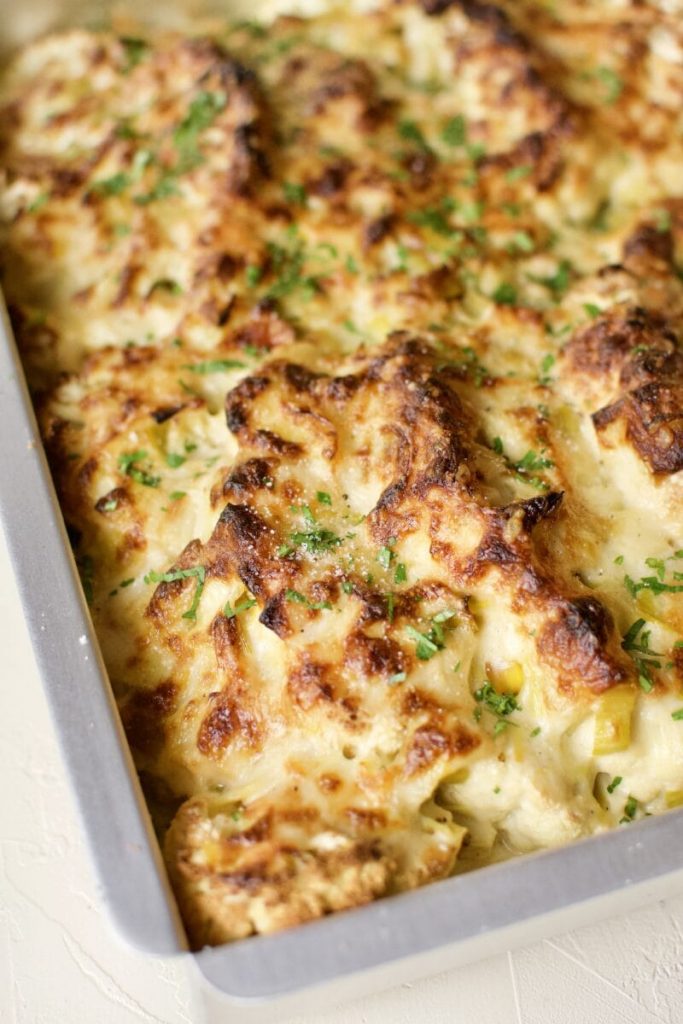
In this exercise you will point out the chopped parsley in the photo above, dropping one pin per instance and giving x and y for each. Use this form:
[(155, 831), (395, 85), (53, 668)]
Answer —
[(201, 114), (253, 275), (128, 465), (298, 598), (198, 571), (616, 781), (385, 556), (38, 202), (525, 469), (592, 310), (556, 283), (294, 193), (165, 187), (411, 132), (637, 642), (505, 294), (134, 50), (435, 218), (455, 131), (677, 715), (401, 573), (316, 541), (532, 461), (305, 511), (174, 460), (177, 495), (546, 366), (473, 366), (657, 584), (112, 186), (398, 677), (428, 643), (425, 646), (662, 220), (323, 497), (612, 82), (499, 704), (214, 366), (522, 242), (241, 606), (519, 172), (630, 810), (288, 268)]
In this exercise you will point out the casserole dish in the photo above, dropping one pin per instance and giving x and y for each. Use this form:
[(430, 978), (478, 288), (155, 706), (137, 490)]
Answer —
[(463, 917)]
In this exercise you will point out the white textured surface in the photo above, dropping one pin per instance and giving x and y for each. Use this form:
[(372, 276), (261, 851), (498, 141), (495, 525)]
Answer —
[(60, 963)]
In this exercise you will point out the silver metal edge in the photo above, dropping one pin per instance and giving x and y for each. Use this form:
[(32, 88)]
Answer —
[(112, 808), (478, 914)]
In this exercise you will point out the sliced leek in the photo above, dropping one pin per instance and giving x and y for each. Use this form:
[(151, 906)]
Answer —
[(613, 720)]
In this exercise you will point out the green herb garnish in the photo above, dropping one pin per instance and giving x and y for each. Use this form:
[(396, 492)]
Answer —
[(200, 116), (425, 646), (198, 571), (505, 294), (294, 193), (630, 809), (134, 50), (519, 172), (637, 642), (240, 606), (612, 82), (455, 131), (128, 465), (214, 366), (411, 132), (315, 541)]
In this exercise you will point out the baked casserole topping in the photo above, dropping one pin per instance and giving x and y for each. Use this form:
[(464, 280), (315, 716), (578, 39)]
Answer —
[(356, 345)]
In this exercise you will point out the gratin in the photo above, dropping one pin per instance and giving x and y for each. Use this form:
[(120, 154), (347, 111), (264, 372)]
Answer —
[(355, 341)]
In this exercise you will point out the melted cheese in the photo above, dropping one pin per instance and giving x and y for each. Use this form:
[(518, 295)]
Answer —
[(356, 346)]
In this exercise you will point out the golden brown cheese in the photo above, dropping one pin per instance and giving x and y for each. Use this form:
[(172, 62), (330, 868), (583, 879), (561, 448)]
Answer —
[(356, 342)]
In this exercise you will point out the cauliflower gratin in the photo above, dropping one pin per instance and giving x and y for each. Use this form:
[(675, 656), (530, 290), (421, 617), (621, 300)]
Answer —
[(356, 346)]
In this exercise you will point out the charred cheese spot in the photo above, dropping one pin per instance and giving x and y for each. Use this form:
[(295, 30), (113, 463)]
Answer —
[(356, 348)]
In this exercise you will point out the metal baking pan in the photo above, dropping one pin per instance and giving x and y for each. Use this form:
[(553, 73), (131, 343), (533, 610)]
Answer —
[(395, 939)]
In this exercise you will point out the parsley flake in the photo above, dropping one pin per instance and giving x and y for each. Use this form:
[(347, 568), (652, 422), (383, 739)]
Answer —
[(198, 571), (455, 131), (241, 606), (128, 465), (214, 366)]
